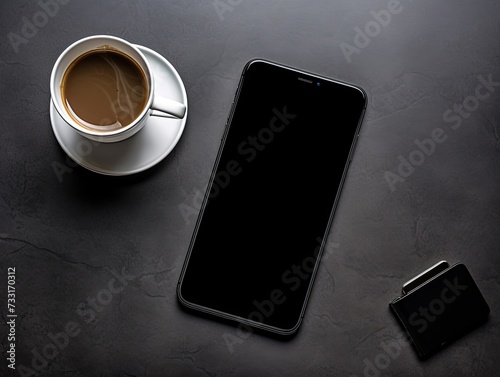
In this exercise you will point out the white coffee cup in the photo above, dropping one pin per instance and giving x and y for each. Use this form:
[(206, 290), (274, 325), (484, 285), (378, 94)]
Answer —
[(163, 106)]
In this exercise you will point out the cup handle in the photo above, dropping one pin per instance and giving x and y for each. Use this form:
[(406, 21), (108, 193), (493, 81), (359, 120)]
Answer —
[(167, 108)]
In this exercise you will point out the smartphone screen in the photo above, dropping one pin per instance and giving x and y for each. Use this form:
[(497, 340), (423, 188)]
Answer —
[(271, 196)]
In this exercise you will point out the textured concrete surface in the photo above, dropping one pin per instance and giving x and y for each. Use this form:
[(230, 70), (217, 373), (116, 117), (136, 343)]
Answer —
[(69, 234)]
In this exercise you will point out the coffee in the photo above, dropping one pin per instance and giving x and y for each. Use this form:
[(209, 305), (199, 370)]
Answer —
[(104, 90)]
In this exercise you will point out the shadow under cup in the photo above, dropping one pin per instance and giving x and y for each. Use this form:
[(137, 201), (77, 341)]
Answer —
[(102, 87)]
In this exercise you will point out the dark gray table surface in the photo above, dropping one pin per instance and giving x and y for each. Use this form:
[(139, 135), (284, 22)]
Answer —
[(68, 236)]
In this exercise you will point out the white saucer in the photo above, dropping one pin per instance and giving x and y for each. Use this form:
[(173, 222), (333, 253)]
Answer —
[(143, 150)]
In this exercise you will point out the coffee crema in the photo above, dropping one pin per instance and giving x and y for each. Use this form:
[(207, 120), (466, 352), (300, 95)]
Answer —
[(104, 90)]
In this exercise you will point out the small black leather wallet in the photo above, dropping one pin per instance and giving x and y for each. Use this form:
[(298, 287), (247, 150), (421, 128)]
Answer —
[(438, 306)]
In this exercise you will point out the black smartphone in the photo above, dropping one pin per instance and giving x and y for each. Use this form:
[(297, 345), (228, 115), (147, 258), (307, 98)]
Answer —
[(271, 197)]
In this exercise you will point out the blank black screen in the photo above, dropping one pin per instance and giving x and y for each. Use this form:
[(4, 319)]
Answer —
[(271, 195)]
